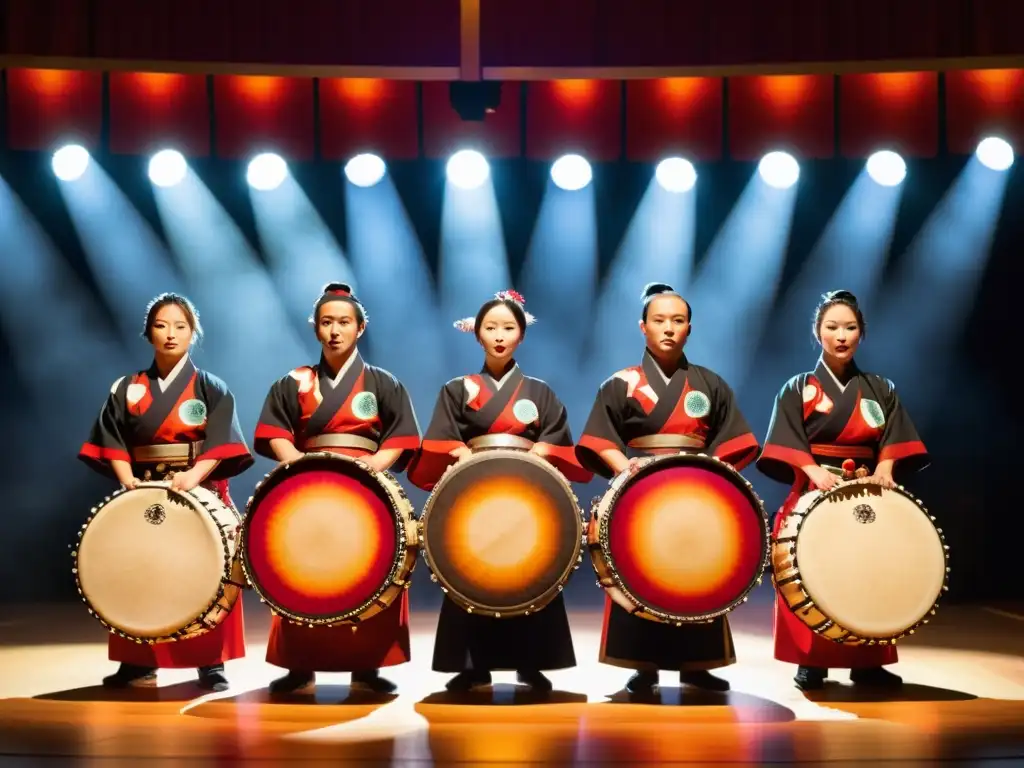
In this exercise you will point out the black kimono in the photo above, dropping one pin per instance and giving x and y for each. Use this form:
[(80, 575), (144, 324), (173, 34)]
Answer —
[(638, 402), (468, 407), (816, 420)]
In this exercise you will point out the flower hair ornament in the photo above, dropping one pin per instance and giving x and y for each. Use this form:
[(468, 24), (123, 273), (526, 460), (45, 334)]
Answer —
[(468, 324)]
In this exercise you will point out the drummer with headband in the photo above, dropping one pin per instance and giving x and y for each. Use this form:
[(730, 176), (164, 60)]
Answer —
[(664, 404), (346, 406), (498, 407), (172, 420), (833, 423)]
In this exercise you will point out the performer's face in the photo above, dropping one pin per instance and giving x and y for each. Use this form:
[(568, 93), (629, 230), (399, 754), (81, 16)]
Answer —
[(667, 326), (840, 332), (338, 328), (499, 333), (170, 334)]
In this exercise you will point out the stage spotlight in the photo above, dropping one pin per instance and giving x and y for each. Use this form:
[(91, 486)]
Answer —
[(676, 174), (70, 162), (995, 153), (467, 169), (887, 168), (571, 172), (267, 172), (167, 168), (365, 170), (779, 170)]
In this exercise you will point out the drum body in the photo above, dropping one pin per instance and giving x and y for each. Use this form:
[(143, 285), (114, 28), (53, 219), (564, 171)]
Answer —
[(502, 532), (680, 539), (327, 540), (860, 564), (158, 565)]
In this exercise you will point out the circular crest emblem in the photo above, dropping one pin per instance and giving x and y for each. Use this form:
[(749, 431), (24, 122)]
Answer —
[(809, 393), (525, 411), (192, 412), (872, 413), (155, 514), (135, 392), (364, 406), (697, 405), (863, 513)]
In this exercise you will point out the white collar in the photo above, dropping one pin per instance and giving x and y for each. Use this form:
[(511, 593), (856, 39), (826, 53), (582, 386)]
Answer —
[(165, 383), (823, 364), (498, 383), (344, 369)]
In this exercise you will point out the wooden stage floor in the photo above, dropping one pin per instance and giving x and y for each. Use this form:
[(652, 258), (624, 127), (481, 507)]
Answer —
[(964, 701)]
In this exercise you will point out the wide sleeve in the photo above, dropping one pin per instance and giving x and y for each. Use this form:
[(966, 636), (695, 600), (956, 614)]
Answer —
[(786, 448), (443, 436), (603, 430), (108, 438), (732, 439), (223, 440), (556, 437), (399, 428), (280, 416), (900, 441)]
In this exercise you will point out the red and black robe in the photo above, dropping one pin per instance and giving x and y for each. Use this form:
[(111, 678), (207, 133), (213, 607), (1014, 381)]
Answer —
[(311, 401), (468, 407), (638, 402), (193, 405), (816, 420)]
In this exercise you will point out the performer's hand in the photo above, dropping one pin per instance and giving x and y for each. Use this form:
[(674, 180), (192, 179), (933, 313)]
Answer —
[(634, 464), (460, 453), (369, 461), (823, 479), (185, 481), (883, 479), (132, 484), (540, 450)]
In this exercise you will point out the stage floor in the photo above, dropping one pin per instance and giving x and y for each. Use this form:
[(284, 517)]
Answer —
[(964, 701)]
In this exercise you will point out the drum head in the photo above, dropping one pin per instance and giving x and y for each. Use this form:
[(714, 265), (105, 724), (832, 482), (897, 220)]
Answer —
[(320, 538), (150, 561), (871, 560), (687, 537), (502, 531)]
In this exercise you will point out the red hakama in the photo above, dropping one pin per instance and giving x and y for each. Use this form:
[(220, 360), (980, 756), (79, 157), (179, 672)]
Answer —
[(382, 641)]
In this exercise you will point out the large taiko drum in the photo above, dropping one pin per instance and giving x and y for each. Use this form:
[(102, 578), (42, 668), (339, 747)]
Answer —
[(860, 563), (157, 565), (327, 540), (502, 532), (679, 538)]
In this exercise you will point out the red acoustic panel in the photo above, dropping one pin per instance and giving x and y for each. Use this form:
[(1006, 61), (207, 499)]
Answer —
[(890, 110), (368, 115), (445, 132), (581, 116), (256, 114), (982, 103), (674, 116), (795, 113), (48, 107), (150, 111)]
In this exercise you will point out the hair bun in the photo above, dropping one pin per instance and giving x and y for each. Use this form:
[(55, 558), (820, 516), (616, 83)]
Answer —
[(653, 289), (840, 294), (337, 287)]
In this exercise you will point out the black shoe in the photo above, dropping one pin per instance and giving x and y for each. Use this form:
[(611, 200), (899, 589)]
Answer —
[(810, 678), (131, 676), (642, 683), (701, 678), (212, 678), (371, 679), (876, 677), (294, 682), (469, 679), (536, 680)]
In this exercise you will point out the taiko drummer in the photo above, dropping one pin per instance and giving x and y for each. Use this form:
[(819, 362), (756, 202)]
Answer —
[(840, 417), (346, 406), (172, 418), (665, 404), (470, 410)]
